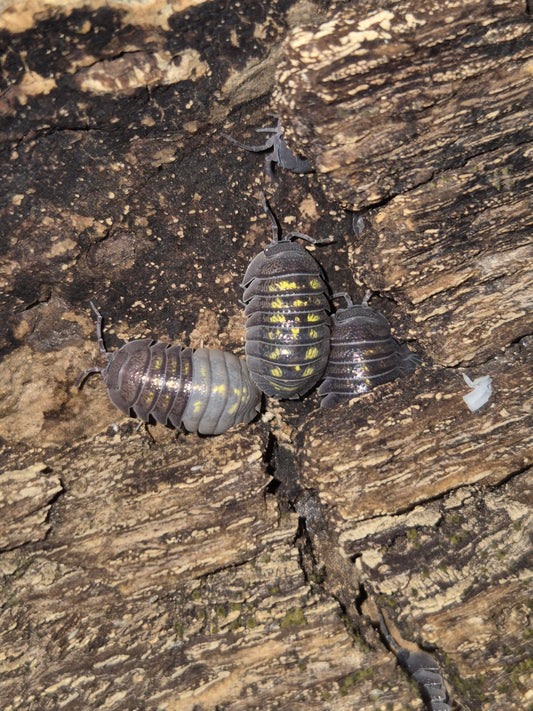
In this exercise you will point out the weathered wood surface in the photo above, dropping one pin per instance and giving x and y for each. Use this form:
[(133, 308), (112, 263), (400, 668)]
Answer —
[(389, 453), (436, 536), (243, 572), (425, 112), (382, 100), (465, 281), (25, 500), (171, 577)]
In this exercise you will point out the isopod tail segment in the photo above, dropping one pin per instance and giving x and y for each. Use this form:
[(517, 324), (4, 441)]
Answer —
[(287, 310), (421, 667), (363, 353), (206, 391), (279, 151)]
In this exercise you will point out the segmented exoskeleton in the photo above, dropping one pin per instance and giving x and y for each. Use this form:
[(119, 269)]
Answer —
[(287, 326), (422, 668), (279, 151), (206, 391), (363, 353)]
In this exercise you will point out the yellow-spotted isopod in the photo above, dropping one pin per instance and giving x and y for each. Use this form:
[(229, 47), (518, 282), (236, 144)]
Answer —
[(205, 390), (287, 325)]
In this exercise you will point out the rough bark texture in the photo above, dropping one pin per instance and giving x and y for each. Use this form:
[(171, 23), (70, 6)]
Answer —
[(426, 113), (163, 571)]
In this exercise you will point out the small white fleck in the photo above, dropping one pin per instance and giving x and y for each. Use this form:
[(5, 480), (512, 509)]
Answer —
[(481, 391)]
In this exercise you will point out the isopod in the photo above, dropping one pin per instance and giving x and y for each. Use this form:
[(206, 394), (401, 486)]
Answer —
[(279, 152), (287, 326), (363, 354), (422, 668), (205, 390)]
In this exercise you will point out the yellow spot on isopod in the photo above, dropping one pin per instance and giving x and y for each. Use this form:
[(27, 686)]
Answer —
[(275, 333), (308, 371), (313, 317), (276, 372), (315, 284), (277, 318), (300, 303), (285, 388), (282, 285), (311, 353)]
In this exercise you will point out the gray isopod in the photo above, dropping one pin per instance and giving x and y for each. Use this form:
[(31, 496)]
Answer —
[(207, 391), (363, 354), (278, 151), (422, 668)]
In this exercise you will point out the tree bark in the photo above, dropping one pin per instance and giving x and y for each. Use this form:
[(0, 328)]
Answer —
[(156, 570)]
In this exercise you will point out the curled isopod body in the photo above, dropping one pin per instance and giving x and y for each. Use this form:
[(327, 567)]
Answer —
[(278, 151), (480, 393), (287, 325), (363, 354), (423, 668), (206, 391)]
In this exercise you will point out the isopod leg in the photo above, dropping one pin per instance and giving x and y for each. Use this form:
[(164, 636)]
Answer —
[(99, 336), (254, 149), (271, 217), (85, 374)]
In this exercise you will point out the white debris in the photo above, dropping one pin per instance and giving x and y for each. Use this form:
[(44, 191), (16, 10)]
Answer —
[(481, 392)]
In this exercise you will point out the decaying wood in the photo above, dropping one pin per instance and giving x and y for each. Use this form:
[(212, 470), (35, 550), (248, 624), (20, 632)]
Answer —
[(465, 282), (415, 493), (170, 576), (25, 501), (388, 456), (427, 110), (384, 98), (174, 572)]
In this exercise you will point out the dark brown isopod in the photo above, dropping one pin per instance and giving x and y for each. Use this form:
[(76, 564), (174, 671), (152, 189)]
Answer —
[(207, 391), (363, 354), (287, 324)]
